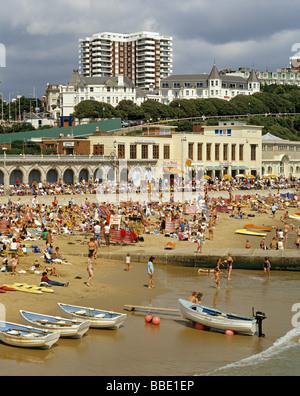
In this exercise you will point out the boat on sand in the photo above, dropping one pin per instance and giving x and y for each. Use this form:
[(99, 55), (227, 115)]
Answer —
[(215, 319), (26, 336), (73, 328), (99, 319)]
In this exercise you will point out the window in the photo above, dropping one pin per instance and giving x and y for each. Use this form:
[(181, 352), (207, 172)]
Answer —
[(133, 151), (241, 152), (208, 152), (253, 152), (233, 148), (217, 152), (166, 152), (155, 151), (225, 152), (200, 147), (98, 149), (144, 151), (191, 151), (121, 151)]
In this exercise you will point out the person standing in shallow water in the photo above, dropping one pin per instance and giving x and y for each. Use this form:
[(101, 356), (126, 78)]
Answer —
[(267, 268), (150, 271), (229, 262)]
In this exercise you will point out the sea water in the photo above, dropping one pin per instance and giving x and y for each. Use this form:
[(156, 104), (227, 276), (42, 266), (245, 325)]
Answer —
[(175, 348), (280, 359)]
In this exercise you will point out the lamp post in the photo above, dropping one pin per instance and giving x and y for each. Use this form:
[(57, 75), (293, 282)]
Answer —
[(183, 174), (4, 167), (11, 93)]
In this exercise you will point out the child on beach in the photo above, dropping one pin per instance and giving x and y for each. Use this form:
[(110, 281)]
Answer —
[(217, 276), (127, 262), (90, 268), (14, 262), (150, 271)]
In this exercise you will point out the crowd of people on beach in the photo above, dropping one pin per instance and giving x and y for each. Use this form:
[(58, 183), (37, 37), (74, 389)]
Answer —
[(155, 186), (193, 221)]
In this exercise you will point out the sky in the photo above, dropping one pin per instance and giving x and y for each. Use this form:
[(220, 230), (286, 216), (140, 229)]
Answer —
[(39, 39)]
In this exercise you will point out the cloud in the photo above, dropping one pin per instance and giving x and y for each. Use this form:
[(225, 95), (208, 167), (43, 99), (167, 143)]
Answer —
[(41, 38)]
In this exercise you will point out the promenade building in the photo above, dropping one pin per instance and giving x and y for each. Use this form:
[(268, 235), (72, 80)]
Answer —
[(144, 57), (280, 156), (159, 153)]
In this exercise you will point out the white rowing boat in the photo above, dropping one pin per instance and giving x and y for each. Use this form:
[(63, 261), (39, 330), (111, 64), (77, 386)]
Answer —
[(26, 336), (99, 319), (72, 328), (215, 319)]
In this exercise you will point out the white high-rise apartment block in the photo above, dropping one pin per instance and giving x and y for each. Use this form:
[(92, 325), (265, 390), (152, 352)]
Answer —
[(145, 57)]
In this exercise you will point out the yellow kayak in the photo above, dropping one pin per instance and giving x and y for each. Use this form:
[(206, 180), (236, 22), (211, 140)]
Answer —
[(250, 233), (36, 288), (24, 289)]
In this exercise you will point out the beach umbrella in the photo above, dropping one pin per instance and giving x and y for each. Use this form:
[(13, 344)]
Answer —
[(206, 177), (272, 176), (250, 177), (240, 175), (227, 177)]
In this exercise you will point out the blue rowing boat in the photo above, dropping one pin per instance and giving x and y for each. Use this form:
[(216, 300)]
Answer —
[(99, 319), (26, 336), (72, 328)]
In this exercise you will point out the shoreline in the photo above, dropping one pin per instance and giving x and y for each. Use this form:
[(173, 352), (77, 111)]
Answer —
[(250, 260), (175, 276)]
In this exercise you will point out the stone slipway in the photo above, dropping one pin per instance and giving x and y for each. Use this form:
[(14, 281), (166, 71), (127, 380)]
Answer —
[(286, 260)]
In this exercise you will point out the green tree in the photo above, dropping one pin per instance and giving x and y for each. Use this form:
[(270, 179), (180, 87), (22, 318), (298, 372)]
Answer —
[(156, 110)]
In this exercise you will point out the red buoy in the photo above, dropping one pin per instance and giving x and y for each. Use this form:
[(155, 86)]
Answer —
[(156, 321), (148, 319)]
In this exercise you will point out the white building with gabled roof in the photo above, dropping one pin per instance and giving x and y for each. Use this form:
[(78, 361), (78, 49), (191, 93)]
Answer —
[(221, 85), (107, 89)]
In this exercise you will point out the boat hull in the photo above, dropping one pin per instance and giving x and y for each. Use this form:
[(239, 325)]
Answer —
[(69, 329), (216, 319), (99, 319), (26, 337)]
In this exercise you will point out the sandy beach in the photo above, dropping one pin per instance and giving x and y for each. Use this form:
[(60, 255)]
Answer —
[(113, 287), (109, 287)]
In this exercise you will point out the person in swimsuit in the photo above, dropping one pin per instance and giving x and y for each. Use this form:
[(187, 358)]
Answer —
[(92, 246), (267, 267), (217, 276), (90, 268), (200, 239), (229, 262)]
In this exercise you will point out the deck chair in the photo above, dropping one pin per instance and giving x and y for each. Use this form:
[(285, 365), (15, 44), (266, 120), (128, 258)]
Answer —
[(47, 257)]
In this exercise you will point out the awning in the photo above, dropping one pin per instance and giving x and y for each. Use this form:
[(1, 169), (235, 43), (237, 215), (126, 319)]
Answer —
[(173, 171), (219, 168), (211, 168), (240, 167)]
